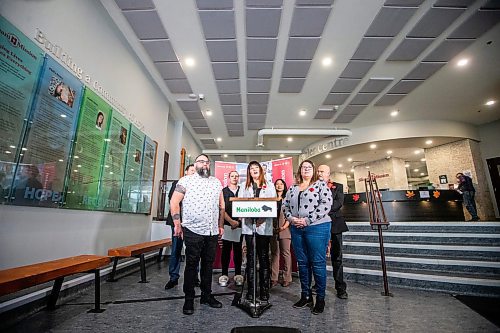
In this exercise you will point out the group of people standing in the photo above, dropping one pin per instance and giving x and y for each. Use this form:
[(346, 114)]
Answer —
[(308, 218)]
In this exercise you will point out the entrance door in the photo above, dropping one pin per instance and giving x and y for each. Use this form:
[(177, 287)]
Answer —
[(494, 168)]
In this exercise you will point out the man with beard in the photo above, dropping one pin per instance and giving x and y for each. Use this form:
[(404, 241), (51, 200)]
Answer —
[(338, 227), (202, 223)]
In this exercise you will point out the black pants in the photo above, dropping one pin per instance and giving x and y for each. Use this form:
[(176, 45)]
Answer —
[(198, 247), (262, 244), (338, 270), (226, 256)]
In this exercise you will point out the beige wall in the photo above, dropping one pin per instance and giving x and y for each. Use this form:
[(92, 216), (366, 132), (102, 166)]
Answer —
[(394, 167), (339, 177), (461, 156)]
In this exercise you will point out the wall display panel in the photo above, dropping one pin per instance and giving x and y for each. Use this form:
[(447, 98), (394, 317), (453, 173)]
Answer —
[(43, 160), (131, 193), (88, 153), (20, 63), (147, 176), (118, 140)]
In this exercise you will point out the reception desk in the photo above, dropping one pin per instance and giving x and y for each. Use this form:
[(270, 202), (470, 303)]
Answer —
[(408, 205)]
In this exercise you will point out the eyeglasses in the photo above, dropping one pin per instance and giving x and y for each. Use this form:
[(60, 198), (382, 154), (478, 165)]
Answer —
[(307, 167), (202, 162)]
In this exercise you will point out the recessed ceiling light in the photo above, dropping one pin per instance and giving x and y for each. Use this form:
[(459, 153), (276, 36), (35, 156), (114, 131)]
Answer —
[(421, 174), (63, 116), (373, 146), (208, 113), (24, 149), (416, 170), (428, 142), (60, 160), (13, 147), (352, 170), (394, 113), (8, 152), (302, 113), (407, 165), (348, 176), (189, 62), (422, 159), (219, 139), (389, 152), (417, 152), (282, 155), (225, 155), (289, 139), (368, 167), (462, 62), (339, 165), (328, 155), (327, 61), (349, 159), (490, 102)]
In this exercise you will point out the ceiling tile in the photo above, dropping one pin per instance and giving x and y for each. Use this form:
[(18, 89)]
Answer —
[(228, 86), (291, 85), (232, 110), (363, 98), (296, 68), (262, 22), (258, 86), (324, 114), (255, 126), (301, 48), (375, 85), (344, 119), (353, 109), (226, 70), (403, 3), (491, 4), (233, 118), (218, 24), (146, 24), (236, 133), (135, 4), (356, 69), (264, 3), (179, 86), (309, 22), (454, 3), (405, 86), (202, 130), (335, 99), (424, 70), (261, 48), (170, 70), (193, 115), (345, 85), (370, 48), (230, 99), (409, 49), (198, 122), (208, 141), (313, 2), (257, 108), (389, 99), (214, 4), (448, 49), (389, 21), (160, 50), (477, 24), (260, 69), (256, 118), (257, 98), (234, 126), (435, 21), (188, 105), (222, 50)]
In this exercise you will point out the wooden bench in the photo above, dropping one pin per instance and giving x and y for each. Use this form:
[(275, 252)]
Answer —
[(137, 251), (18, 278)]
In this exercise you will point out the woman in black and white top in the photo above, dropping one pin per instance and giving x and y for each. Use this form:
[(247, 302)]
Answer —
[(306, 206)]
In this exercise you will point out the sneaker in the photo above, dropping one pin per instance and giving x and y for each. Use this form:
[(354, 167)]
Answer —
[(210, 301), (188, 308), (170, 284), (223, 281), (342, 294), (303, 302), (319, 307), (238, 280)]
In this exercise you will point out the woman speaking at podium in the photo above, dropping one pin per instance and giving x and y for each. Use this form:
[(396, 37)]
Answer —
[(306, 206), (257, 187)]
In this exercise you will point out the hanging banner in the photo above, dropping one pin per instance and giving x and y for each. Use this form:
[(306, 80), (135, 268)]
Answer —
[(20, 63), (44, 159), (222, 170), (147, 176), (283, 169), (132, 181)]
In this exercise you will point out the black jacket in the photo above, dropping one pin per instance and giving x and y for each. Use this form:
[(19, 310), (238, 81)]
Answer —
[(338, 221)]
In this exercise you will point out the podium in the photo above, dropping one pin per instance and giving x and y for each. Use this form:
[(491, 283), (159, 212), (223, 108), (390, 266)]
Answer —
[(253, 208)]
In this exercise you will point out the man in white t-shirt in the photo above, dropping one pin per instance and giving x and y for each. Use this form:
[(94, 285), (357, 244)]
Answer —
[(202, 223)]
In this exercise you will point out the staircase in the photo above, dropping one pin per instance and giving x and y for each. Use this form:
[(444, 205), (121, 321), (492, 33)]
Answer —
[(455, 257)]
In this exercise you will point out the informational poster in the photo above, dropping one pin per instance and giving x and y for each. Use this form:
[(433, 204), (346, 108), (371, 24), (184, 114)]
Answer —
[(147, 176), (44, 156), (222, 170), (20, 63), (283, 169), (88, 154), (113, 169), (131, 193)]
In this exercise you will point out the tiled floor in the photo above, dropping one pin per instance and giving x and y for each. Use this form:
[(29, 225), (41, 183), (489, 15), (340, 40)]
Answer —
[(137, 307)]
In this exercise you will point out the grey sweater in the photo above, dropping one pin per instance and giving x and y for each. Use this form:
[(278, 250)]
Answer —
[(315, 203)]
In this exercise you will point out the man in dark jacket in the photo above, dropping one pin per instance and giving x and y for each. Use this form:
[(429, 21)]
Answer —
[(468, 191), (338, 227)]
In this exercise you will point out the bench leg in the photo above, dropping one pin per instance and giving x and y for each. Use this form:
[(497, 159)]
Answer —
[(97, 291), (111, 277), (159, 255), (143, 269), (56, 288)]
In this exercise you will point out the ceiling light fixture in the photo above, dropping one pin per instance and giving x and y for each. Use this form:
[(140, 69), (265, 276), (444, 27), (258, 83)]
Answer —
[(225, 155), (416, 170), (417, 152), (373, 146), (328, 155), (208, 113), (302, 113), (389, 152), (407, 165), (421, 174), (189, 62), (462, 62), (289, 139), (490, 102), (352, 170), (339, 165), (282, 155), (428, 142), (422, 159), (394, 113), (327, 61), (219, 139), (349, 159)]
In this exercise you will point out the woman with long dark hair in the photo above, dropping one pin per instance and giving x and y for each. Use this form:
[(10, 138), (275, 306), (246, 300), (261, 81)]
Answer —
[(257, 187)]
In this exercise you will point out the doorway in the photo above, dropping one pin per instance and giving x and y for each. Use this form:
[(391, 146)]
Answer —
[(494, 168)]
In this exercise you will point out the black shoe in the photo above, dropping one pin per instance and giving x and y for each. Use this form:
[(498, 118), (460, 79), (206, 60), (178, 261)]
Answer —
[(170, 284), (210, 301), (475, 219), (188, 308), (342, 295), (197, 283), (319, 307), (303, 302)]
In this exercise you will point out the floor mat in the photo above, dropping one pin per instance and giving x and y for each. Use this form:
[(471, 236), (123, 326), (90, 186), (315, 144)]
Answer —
[(488, 307)]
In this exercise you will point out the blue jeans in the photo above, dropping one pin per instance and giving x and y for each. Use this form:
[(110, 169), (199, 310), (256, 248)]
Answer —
[(470, 203), (310, 245), (174, 263)]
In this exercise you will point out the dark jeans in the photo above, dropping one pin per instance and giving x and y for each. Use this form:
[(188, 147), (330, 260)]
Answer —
[(470, 203), (338, 269), (226, 256), (262, 245), (198, 247), (174, 263), (310, 245)]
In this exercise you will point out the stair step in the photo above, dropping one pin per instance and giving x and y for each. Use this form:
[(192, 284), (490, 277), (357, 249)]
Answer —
[(425, 237), (468, 227)]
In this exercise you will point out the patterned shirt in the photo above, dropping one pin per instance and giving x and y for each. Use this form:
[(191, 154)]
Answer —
[(314, 204), (200, 205)]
